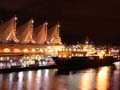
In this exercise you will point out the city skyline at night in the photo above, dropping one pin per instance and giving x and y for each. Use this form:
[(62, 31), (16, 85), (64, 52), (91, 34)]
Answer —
[(59, 44)]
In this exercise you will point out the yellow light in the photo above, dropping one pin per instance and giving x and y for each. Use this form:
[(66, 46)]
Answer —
[(25, 50), (74, 49), (50, 51), (70, 49), (76, 54), (41, 50), (16, 50), (59, 56), (33, 50), (86, 80), (49, 47), (101, 54), (102, 80), (6, 50), (60, 49)]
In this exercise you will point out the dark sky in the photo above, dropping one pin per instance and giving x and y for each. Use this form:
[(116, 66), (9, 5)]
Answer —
[(97, 19)]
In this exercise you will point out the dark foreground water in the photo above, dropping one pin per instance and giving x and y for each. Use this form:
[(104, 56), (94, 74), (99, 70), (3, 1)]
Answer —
[(104, 78)]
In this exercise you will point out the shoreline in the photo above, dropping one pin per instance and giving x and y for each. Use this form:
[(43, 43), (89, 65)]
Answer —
[(18, 69)]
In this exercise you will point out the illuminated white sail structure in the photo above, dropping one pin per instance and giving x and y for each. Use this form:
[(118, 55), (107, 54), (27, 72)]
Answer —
[(40, 34), (8, 30), (24, 32), (53, 35)]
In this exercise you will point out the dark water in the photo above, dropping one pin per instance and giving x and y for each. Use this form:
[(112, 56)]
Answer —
[(104, 78)]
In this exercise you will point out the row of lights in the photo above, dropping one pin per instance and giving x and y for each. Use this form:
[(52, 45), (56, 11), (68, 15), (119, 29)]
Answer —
[(75, 49), (70, 49), (69, 56), (7, 50)]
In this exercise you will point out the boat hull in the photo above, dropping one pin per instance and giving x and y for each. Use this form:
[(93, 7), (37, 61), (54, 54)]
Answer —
[(82, 62)]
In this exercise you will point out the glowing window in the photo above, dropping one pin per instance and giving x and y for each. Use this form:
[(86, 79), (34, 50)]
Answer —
[(33, 50), (25, 50), (6, 50), (16, 50), (41, 50)]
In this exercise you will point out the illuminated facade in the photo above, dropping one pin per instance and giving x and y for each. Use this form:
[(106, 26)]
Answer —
[(53, 35), (40, 34), (26, 33), (8, 30), (28, 40)]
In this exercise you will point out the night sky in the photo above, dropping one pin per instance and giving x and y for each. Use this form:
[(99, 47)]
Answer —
[(97, 19)]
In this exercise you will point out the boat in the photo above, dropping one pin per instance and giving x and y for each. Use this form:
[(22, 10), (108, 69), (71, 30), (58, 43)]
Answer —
[(82, 56), (83, 62)]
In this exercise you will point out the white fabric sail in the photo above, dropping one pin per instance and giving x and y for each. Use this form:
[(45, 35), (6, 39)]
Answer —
[(8, 30), (24, 32), (40, 34), (53, 35)]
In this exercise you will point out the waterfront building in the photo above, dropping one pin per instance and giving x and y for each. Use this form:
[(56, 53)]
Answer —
[(53, 35), (8, 30), (28, 40), (25, 32), (40, 34)]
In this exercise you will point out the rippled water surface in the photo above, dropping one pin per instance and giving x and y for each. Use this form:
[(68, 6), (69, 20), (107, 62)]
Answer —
[(103, 78)]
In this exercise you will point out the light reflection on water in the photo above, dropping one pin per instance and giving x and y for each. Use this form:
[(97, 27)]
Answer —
[(104, 78), (87, 79)]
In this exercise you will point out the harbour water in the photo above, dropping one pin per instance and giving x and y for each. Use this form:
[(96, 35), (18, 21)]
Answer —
[(102, 78)]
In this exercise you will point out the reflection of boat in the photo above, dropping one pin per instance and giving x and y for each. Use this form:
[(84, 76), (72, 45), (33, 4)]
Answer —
[(82, 56), (66, 72)]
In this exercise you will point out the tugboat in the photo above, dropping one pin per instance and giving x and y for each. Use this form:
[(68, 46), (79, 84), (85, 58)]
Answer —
[(82, 56)]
